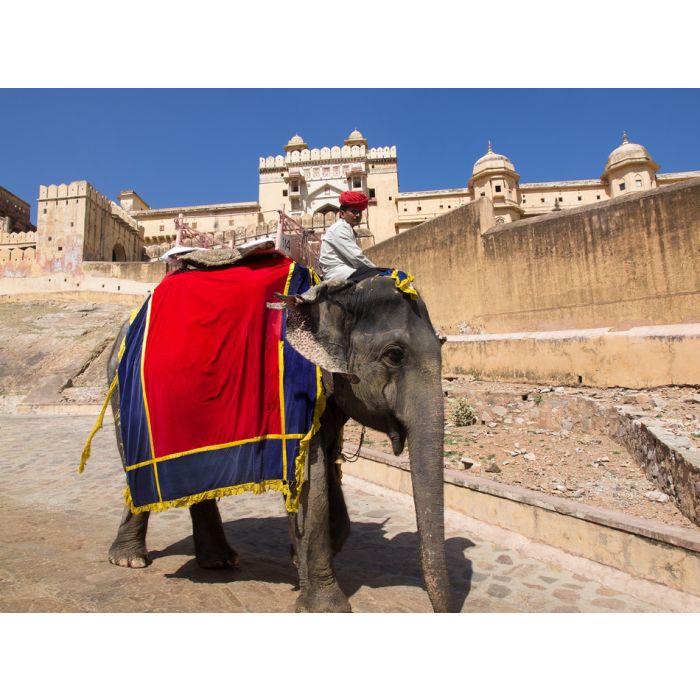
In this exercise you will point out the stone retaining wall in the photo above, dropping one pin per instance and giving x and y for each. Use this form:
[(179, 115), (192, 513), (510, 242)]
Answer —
[(669, 461)]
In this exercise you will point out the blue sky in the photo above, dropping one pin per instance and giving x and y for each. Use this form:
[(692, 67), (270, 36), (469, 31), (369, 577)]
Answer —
[(183, 147)]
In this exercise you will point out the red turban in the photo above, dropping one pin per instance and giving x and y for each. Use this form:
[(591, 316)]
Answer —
[(354, 200)]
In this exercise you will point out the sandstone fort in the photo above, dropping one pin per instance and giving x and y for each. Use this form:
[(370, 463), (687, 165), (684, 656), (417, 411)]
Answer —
[(582, 281)]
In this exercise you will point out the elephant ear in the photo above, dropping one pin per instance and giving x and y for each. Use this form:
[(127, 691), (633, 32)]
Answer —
[(315, 327)]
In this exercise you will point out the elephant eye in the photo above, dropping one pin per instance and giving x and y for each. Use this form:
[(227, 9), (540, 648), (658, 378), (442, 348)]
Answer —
[(393, 356)]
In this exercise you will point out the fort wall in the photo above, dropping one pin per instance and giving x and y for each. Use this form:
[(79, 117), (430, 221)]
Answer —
[(622, 263), (134, 279), (503, 293)]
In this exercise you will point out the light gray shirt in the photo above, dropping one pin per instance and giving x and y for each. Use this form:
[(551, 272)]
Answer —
[(340, 253)]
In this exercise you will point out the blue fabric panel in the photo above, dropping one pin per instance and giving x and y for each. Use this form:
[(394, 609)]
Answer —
[(301, 280), (299, 374), (292, 452), (251, 462), (299, 392), (142, 485), (137, 446)]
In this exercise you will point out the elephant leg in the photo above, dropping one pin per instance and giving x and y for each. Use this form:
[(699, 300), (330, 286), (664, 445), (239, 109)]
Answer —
[(129, 547), (311, 538), (210, 545), (338, 516), (338, 511)]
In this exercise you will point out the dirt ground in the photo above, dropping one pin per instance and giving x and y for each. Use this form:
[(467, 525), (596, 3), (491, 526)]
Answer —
[(57, 347), (554, 440), (514, 440)]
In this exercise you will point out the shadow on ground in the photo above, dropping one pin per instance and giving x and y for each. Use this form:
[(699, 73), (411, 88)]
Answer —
[(369, 558)]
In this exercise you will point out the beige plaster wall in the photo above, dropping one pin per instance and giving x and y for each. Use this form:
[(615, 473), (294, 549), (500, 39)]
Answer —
[(638, 358), (381, 214), (571, 195), (631, 261), (160, 226), (413, 208)]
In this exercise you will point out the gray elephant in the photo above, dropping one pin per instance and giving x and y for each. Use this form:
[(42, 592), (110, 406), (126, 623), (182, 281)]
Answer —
[(381, 366)]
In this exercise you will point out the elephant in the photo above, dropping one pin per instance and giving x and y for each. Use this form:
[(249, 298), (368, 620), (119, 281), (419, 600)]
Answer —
[(381, 365)]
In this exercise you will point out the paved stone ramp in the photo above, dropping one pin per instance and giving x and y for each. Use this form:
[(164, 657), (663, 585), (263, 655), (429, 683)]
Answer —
[(57, 526)]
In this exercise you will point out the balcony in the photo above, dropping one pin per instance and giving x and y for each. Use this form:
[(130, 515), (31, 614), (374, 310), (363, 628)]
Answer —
[(294, 174)]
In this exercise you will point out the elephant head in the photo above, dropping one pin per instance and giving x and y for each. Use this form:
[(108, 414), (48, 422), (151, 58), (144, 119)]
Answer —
[(382, 365)]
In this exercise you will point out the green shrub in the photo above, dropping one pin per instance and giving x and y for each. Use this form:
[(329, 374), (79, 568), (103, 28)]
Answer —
[(463, 412)]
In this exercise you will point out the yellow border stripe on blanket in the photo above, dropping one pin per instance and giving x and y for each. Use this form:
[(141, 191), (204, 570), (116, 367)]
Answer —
[(209, 448), (145, 399), (280, 355)]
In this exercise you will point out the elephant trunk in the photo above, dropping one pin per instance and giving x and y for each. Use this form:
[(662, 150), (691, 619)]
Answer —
[(425, 445)]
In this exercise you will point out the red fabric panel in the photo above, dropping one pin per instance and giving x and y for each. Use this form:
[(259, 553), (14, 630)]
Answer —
[(212, 368)]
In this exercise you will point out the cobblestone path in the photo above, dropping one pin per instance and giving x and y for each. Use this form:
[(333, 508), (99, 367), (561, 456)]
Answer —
[(57, 526)]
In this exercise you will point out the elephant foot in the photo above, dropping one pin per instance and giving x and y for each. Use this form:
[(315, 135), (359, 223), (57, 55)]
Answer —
[(323, 599), (223, 558), (131, 556)]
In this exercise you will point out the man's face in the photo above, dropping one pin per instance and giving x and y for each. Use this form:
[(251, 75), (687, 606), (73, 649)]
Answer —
[(352, 216)]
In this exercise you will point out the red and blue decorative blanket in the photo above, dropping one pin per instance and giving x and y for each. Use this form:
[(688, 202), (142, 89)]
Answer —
[(213, 401)]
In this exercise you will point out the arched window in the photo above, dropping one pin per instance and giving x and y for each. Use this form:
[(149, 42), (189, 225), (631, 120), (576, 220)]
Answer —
[(118, 253), (638, 181)]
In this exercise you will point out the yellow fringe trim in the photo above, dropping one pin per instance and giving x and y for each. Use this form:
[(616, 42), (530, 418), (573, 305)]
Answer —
[(98, 426), (292, 500), (404, 285), (98, 423), (161, 506)]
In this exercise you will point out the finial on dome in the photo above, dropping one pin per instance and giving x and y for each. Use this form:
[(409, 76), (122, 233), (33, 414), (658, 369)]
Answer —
[(624, 138), (490, 149)]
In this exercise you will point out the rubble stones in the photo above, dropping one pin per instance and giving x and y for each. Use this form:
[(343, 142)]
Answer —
[(657, 496), (469, 462)]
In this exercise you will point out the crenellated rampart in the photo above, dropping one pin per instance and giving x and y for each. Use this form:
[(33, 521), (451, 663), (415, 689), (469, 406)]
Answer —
[(326, 154)]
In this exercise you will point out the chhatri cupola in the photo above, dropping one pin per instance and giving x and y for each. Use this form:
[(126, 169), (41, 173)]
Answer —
[(296, 143), (494, 176), (629, 168), (356, 139)]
